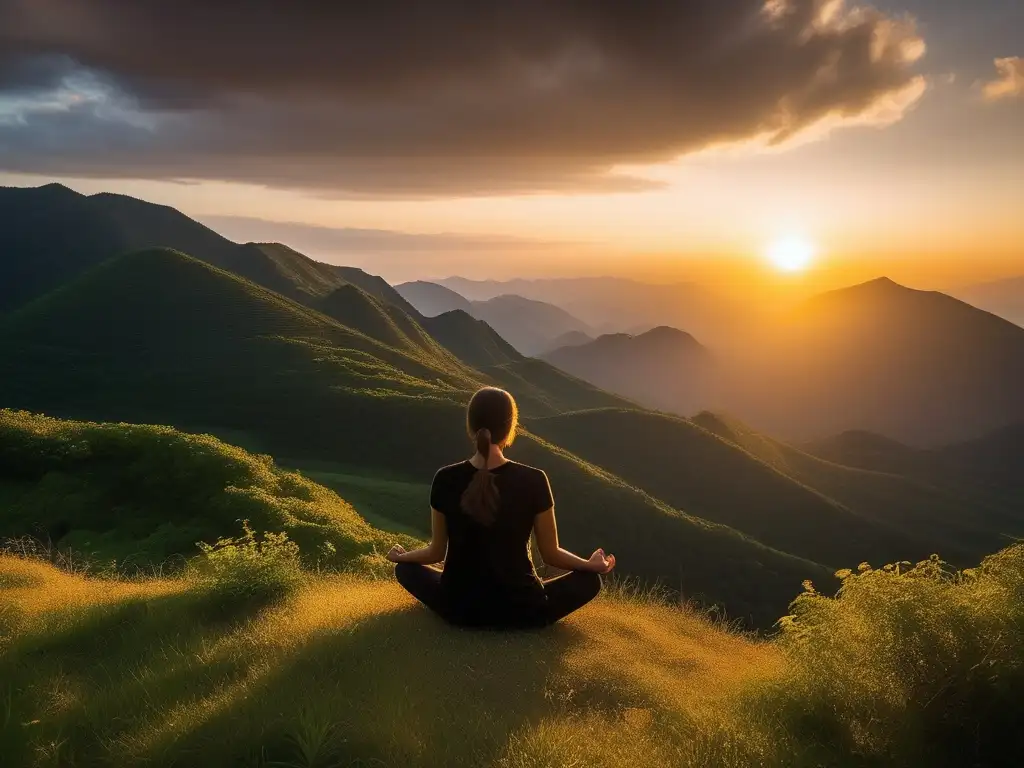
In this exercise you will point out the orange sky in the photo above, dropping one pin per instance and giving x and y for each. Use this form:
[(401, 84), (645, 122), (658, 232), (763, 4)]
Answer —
[(924, 187)]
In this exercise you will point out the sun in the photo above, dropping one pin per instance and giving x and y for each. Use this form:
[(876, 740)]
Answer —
[(791, 254)]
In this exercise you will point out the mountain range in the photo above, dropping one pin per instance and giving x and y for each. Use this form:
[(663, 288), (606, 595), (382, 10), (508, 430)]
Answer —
[(918, 367), (663, 368), (618, 305), (531, 326), (153, 318)]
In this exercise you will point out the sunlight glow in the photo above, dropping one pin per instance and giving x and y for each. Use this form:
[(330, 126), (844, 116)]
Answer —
[(791, 254)]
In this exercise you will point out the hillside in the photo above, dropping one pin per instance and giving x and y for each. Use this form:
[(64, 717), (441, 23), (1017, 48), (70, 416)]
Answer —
[(942, 505), (697, 471), (471, 340), (142, 495), (157, 336), (664, 368), (51, 235), (918, 367), (903, 668), (171, 340)]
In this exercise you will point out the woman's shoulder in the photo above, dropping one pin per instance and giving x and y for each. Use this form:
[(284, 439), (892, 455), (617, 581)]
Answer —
[(452, 470), (525, 471)]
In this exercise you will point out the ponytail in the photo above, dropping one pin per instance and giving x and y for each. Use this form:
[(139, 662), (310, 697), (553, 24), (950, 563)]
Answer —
[(480, 499)]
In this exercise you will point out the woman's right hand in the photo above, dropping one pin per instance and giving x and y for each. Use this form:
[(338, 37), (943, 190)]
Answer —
[(601, 563), (395, 555)]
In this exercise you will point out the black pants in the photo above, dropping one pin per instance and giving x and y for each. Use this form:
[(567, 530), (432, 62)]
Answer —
[(562, 596)]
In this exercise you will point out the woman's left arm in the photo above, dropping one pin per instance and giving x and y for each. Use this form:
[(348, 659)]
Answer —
[(434, 552)]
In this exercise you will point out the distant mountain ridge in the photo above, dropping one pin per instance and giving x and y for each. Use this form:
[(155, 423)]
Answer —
[(664, 368), (916, 366), (529, 325), (613, 304)]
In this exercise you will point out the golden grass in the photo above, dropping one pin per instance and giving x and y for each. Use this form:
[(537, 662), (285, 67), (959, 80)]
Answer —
[(349, 669)]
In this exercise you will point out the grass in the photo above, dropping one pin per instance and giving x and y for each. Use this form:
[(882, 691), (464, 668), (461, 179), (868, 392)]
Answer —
[(138, 495), (906, 666)]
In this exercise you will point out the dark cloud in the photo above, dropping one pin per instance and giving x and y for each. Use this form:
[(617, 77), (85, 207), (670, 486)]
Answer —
[(450, 96)]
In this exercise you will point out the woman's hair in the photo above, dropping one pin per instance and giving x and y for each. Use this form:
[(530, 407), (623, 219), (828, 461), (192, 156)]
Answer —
[(491, 419)]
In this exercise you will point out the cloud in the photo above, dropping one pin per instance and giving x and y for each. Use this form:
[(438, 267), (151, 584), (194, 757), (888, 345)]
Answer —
[(451, 97), (310, 238), (1010, 82)]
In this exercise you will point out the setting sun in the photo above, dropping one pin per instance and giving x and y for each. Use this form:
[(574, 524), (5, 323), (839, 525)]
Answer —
[(792, 254)]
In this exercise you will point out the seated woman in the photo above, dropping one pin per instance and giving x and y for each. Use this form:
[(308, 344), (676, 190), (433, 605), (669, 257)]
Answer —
[(482, 513)]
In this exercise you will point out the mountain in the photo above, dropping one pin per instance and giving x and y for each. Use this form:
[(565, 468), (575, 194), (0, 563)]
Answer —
[(471, 340), (720, 470), (159, 337), (992, 465), (73, 484), (51, 234), (918, 367), (947, 510), (528, 325), (664, 368), (1004, 298), (569, 339), (613, 305), (431, 299)]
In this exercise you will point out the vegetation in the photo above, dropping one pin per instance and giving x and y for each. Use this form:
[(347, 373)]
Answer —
[(144, 496), (906, 666)]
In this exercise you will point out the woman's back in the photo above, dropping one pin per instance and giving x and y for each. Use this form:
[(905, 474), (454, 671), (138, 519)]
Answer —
[(482, 514), (491, 555)]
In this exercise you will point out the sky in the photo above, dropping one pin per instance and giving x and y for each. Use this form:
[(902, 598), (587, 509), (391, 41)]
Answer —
[(657, 139)]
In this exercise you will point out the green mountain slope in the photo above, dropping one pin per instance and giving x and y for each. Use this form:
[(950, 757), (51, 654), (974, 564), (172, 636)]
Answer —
[(143, 494), (51, 235), (471, 340), (157, 336), (41, 251), (952, 514), (709, 477)]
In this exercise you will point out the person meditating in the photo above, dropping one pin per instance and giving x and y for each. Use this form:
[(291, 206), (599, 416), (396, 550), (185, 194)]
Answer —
[(482, 512)]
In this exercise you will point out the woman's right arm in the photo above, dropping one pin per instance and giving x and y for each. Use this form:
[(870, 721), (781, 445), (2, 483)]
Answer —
[(546, 531)]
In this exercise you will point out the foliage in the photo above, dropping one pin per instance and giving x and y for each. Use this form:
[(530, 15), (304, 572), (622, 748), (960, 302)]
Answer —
[(912, 665), (247, 568), (905, 666), (143, 495)]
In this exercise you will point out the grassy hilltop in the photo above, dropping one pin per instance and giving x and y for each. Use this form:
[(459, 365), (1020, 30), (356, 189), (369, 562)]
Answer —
[(286, 644), (905, 668)]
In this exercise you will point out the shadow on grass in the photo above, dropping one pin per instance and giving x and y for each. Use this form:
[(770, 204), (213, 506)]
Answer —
[(172, 681), (399, 688)]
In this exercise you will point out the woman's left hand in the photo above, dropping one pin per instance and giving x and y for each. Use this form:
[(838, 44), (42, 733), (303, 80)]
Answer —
[(396, 552)]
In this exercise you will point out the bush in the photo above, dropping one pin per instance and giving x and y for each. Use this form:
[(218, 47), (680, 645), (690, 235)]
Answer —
[(911, 665), (248, 569)]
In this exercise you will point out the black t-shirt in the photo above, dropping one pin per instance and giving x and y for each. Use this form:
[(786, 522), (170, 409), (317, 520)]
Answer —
[(492, 562)]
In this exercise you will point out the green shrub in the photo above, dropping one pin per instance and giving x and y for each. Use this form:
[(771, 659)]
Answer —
[(248, 569), (911, 665)]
